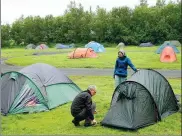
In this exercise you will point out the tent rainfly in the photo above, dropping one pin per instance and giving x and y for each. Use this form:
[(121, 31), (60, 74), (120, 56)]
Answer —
[(142, 100), (35, 88)]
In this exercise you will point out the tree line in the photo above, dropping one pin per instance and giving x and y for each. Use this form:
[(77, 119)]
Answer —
[(121, 24)]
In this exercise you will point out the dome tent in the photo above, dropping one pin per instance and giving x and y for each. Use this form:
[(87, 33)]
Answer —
[(62, 46), (41, 47), (168, 55), (82, 53), (174, 42), (148, 44), (35, 88), (97, 47), (142, 100), (120, 45), (30, 46), (159, 50)]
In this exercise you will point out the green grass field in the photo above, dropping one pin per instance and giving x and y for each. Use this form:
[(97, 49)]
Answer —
[(58, 120), (142, 57)]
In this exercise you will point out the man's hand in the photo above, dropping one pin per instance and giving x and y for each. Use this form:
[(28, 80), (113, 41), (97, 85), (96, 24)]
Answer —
[(94, 122)]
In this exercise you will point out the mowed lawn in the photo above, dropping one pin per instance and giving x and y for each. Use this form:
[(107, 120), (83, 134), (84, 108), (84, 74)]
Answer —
[(142, 57), (58, 120)]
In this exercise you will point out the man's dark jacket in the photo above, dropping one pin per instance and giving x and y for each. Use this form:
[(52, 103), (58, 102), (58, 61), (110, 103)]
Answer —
[(81, 101)]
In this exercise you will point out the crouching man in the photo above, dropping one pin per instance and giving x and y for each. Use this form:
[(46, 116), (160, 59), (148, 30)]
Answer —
[(83, 108)]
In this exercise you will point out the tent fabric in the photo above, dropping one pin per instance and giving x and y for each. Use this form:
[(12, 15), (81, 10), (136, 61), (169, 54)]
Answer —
[(82, 53), (41, 47), (142, 100), (148, 44), (159, 50), (30, 46), (62, 46), (168, 55), (39, 86), (97, 47), (173, 42)]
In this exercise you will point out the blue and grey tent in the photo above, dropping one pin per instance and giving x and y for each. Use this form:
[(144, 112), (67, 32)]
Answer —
[(159, 50), (148, 44), (35, 88), (97, 47), (62, 46)]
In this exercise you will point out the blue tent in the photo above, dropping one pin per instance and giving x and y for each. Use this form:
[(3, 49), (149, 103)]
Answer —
[(62, 46), (148, 44), (159, 50), (97, 47)]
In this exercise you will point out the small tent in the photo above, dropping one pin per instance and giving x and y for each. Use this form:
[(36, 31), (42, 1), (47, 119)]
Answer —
[(35, 88), (174, 42), (82, 53), (121, 45), (97, 47), (41, 47), (142, 100), (159, 50), (62, 46), (148, 44), (30, 46), (168, 55)]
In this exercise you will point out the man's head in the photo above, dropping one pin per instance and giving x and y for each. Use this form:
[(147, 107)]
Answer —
[(121, 53), (92, 89)]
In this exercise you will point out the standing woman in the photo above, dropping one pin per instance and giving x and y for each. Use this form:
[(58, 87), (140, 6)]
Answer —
[(121, 65)]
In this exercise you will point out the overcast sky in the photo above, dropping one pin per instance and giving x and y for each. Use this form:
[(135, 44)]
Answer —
[(13, 9)]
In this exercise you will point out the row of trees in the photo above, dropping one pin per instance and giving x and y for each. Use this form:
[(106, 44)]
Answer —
[(131, 26)]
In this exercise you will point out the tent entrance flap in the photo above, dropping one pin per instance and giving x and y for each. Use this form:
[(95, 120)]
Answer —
[(29, 95)]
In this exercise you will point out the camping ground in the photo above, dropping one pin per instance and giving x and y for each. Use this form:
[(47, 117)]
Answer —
[(58, 120)]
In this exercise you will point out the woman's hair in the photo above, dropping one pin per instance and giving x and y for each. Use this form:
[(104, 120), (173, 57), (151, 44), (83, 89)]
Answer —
[(122, 51)]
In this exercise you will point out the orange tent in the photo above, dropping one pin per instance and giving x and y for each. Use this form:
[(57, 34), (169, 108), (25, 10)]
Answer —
[(168, 55), (82, 53)]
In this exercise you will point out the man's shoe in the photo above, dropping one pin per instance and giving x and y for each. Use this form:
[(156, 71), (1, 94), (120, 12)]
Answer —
[(89, 124), (75, 123)]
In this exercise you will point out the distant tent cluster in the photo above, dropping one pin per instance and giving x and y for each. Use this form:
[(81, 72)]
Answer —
[(35, 88), (142, 100), (90, 50), (168, 51)]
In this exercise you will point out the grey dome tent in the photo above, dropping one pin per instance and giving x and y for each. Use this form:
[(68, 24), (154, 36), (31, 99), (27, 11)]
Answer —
[(142, 100), (148, 44), (159, 50), (35, 88), (120, 45), (174, 42), (62, 46), (30, 46)]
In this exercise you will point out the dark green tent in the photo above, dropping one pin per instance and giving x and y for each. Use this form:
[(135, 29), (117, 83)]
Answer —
[(35, 88), (144, 99)]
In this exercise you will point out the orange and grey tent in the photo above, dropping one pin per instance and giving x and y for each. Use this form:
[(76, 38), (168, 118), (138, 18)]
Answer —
[(82, 53), (168, 55)]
